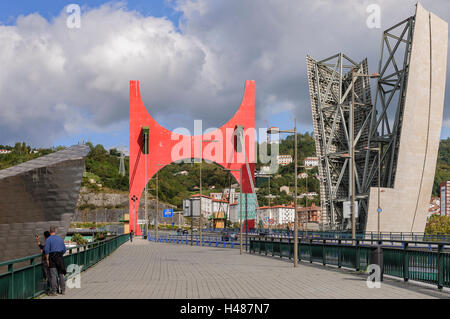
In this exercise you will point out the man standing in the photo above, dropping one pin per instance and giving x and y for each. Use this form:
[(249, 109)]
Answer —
[(54, 251)]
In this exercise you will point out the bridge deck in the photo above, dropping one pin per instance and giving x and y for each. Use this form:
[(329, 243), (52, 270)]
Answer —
[(153, 270)]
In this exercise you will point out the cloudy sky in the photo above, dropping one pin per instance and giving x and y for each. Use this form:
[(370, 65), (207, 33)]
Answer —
[(61, 85)]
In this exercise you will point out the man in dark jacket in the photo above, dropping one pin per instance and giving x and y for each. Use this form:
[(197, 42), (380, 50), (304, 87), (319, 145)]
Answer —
[(45, 270), (54, 251), (131, 235)]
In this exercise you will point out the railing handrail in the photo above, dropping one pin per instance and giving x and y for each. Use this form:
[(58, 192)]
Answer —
[(26, 258), (406, 262), (90, 255), (307, 239), (19, 260)]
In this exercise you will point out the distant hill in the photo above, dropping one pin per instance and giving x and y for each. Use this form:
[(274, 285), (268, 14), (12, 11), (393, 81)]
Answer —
[(442, 173)]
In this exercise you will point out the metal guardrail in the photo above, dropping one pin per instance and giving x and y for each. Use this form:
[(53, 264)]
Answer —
[(207, 241), (421, 263), (27, 282), (409, 236)]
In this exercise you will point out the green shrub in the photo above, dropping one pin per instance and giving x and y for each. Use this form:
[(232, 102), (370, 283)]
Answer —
[(78, 239)]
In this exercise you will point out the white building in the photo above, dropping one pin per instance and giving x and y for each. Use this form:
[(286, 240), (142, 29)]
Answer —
[(183, 173), (302, 175), (284, 160), (216, 195), (234, 195), (219, 205), (285, 189), (5, 151), (191, 206), (210, 205), (275, 215), (309, 195), (311, 161)]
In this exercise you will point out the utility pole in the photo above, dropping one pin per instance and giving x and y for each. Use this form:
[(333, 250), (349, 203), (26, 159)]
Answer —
[(157, 205), (240, 210), (275, 130), (379, 182), (246, 222), (240, 204), (145, 190), (201, 199), (295, 200), (355, 76), (352, 159), (201, 194)]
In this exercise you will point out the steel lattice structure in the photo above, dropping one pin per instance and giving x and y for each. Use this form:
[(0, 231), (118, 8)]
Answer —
[(378, 124), (395, 139), (330, 83), (387, 113)]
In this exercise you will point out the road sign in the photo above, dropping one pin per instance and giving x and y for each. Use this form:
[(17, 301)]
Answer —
[(167, 213), (379, 210), (348, 211)]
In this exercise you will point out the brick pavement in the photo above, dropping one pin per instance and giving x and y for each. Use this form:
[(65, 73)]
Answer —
[(156, 270)]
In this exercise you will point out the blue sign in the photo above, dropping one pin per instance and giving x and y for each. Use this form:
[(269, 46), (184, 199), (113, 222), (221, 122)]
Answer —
[(379, 210), (167, 213)]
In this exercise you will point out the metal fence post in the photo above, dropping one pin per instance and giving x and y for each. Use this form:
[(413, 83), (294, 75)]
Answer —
[(440, 266), (289, 247), (405, 262), (281, 248), (324, 256), (310, 251), (32, 263), (273, 250), (339, 248), (11, 281), (357, 261)]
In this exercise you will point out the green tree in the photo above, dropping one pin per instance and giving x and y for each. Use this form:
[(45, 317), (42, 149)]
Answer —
[(437, 224)]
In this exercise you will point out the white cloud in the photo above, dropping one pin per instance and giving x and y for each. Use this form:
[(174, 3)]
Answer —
[(57, 81)]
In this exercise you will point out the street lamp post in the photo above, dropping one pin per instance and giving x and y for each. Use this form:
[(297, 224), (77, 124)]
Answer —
[(305, 229), (157, 203), (146, 188), (274, 130), (352, 159), (240, 205), (378, 149), (200, 221), (355, 75)]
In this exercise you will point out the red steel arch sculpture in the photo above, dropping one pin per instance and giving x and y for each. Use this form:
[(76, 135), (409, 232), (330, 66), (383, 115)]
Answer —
[(162, 142)]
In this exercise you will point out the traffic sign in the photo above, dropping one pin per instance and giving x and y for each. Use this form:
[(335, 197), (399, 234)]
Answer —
[(379, 210), (167, 213)]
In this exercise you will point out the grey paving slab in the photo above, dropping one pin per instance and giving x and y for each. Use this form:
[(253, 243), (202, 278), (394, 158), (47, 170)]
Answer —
[(155, 270)]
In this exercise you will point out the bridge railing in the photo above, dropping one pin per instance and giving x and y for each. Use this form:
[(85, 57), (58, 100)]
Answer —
[(24, 276), (407, 236), (207, 241), (420, 261)]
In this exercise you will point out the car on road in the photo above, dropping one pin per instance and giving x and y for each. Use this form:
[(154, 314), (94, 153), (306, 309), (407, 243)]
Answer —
[(226, 236)]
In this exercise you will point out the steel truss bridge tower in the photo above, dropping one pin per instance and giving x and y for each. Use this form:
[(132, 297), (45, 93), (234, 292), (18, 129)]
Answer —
[(403, 124)]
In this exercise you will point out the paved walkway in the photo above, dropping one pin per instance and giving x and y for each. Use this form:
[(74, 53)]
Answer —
[(154, 270)]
